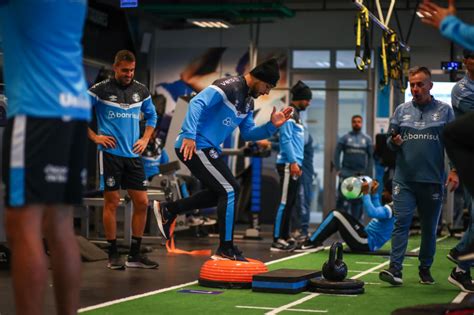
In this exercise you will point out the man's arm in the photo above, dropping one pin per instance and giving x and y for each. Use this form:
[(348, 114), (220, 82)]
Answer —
[(380, 212), (337, 154), (151, 118), (207, 98), (449, 25), (250, 132), (370, 156), (107, 142)]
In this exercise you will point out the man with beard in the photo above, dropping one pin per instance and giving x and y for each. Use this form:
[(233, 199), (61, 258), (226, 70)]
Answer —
[(289, 163), (357, 160), (118, 102), (416, 128), (212, 116)]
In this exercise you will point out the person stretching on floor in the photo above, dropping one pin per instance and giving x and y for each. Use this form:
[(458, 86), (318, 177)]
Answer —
[(359, 238)]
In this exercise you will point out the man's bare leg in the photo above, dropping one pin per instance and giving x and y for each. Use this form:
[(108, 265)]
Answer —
[(109, 216), (29, 266), (140, 206), (65, 258)]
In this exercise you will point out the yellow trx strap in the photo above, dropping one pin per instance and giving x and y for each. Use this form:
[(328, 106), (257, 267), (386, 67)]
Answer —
[(362, 32)]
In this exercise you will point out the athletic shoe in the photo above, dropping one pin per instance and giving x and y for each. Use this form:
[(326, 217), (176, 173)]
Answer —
[(308, 246), (392, 276), (425, 276), (140, 261), (283, 246), (453, 255), (457, 256), (232, 253), (208, 221), (116, 262), (164, 219), (462, 280), (194, 221)]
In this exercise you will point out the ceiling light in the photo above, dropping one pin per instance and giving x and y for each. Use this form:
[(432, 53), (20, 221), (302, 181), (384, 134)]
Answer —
[(210, 23)]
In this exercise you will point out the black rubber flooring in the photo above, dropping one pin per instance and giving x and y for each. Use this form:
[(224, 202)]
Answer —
[(100, 284)]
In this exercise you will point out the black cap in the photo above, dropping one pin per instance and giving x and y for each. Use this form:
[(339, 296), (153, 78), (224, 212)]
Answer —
[(268, 72), (468, 53), (301, 91)]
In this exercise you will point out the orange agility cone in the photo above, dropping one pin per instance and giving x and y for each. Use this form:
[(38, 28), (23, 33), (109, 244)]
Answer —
[(230, 274)]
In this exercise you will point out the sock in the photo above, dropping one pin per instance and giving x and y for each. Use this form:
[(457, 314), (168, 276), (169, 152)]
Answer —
[(135, 248), (460, 270), (112, 246)]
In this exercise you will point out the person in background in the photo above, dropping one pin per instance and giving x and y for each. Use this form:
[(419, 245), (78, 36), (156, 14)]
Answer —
[(416, 127), (357, 150), (289, 163), (118, 103), (358, 237)]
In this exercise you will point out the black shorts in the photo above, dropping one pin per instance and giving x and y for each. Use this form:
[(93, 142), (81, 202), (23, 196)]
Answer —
[(121, 172), (43, 161)]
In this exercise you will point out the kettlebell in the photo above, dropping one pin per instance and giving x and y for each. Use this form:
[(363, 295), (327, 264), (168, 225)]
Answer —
[(335, 269)]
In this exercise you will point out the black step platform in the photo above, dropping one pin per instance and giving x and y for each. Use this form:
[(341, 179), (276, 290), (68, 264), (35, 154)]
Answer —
[(290, 281)]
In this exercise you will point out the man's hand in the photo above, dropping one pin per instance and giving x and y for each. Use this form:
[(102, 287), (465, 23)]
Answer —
[(397, 140), (264, 144), (107, 142), (374, 187), (279, 118), (188, 147), (295, 170), (365, 188), (453, 181), (433, 15), (140, 145)]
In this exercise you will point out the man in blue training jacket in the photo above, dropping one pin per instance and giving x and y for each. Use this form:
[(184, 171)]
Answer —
[(357, 160), (416, 128), (289, 163), (118, 103), (212, 116), (44, 148), (359, 238)]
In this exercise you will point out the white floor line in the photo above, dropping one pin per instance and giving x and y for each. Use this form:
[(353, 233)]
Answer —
[(310, 296), (359, 271), (375, 263), (460, 297), (297, 255), (134, 297), (290, 309), (297, 302)]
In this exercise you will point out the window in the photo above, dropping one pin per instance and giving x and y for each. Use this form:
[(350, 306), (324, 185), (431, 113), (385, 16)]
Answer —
[(311, 59), (345, 59)]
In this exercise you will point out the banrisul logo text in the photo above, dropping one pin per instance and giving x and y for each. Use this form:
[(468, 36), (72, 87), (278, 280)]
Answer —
[(119, 115)]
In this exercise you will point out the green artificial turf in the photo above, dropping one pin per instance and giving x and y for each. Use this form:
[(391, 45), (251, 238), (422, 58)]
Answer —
[(379, 298)]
